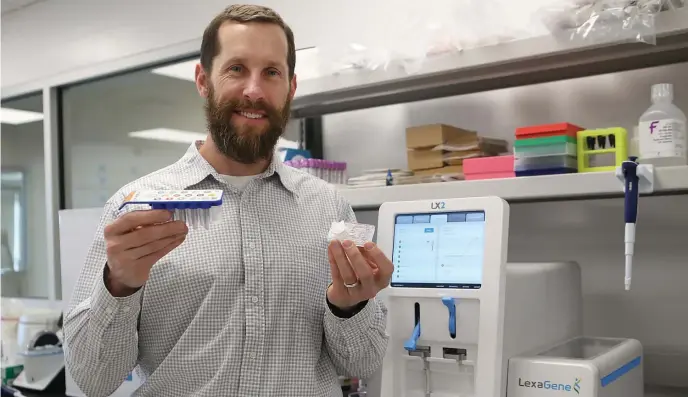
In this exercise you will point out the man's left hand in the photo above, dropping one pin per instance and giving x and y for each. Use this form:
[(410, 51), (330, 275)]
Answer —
[(358, 274)]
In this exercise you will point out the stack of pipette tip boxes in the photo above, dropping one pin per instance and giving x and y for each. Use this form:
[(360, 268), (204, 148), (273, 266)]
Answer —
[(546, 149), (197, 208)]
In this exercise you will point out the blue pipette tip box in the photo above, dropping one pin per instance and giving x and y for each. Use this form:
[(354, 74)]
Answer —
[(175, 199), (194, 207)]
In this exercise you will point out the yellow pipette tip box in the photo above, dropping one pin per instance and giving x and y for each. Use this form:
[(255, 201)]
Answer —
[(603, 141)]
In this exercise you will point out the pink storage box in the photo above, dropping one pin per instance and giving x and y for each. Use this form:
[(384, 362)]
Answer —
[(489, 167)]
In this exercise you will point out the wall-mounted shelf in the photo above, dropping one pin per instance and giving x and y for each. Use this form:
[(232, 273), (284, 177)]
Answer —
[(668, 180), (517, 63)]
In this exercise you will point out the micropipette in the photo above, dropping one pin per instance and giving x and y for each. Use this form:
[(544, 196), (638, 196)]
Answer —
[(629, 168)]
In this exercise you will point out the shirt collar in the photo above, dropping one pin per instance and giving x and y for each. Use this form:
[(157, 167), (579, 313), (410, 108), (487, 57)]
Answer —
[(195, 169)]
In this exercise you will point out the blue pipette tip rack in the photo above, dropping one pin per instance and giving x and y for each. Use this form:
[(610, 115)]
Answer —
[(195, 207)]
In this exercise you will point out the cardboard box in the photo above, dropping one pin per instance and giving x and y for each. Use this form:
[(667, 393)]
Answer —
[(429, 136), (448, 170), (425, 159)]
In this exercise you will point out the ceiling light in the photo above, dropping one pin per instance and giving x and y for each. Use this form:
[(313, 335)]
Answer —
[(169, 135), (183, 70), (16, 116)]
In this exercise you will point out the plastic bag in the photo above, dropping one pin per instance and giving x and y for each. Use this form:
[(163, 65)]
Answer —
[(385, 35), (359, 233), (389, 35), (594, 21)]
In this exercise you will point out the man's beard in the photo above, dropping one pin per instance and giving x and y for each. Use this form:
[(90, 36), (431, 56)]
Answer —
[(241, 143)]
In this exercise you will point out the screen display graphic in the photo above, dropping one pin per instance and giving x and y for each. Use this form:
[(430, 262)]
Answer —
[(439, 250)]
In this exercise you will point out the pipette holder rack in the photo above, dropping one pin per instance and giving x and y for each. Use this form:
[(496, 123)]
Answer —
[(594, 142), (646, 178)]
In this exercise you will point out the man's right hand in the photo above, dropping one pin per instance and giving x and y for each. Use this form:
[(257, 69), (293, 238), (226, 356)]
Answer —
[(135, 242)]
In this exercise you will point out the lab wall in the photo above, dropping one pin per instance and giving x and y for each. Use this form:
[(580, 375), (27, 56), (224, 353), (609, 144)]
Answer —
[(22, 149), (76, 36)]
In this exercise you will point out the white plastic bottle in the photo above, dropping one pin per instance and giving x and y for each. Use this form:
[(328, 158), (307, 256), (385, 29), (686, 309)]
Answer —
[(662, 130)]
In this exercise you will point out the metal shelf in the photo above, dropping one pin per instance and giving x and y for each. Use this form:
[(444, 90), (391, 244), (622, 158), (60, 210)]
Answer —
[(584, 186), (516, 63)]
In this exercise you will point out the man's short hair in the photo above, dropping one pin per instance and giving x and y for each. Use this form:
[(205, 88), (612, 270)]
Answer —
[(244, 13)]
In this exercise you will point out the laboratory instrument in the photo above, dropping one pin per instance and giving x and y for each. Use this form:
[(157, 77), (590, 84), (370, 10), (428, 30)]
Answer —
[(631, 193), (662, 130), (198, 208), (21, 343), (458, 312), (574, 367), (43, 363), (636, 178)]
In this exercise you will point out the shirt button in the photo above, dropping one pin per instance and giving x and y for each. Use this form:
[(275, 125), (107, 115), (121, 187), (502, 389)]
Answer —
[(252, 355), (125, 309), (251, 245), (108, 310), (254, 299)]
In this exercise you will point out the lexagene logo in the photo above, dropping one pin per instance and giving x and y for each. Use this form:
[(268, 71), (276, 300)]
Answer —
[(549, 385)]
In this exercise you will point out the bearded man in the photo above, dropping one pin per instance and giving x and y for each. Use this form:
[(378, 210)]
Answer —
[(259, 304)]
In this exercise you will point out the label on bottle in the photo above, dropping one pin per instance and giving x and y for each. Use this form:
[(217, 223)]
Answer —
[(662, 138)]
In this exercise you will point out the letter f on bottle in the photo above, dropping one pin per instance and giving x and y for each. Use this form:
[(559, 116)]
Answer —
[(652, 126)]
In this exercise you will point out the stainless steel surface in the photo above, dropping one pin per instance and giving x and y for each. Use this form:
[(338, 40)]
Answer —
[(511, 64)]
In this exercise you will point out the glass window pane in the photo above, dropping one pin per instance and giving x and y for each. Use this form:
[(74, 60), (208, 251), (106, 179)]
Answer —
[(24, 259), (118, 129), (121, 128)]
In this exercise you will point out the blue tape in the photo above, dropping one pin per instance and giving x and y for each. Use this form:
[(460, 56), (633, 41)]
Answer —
[(619, 372)]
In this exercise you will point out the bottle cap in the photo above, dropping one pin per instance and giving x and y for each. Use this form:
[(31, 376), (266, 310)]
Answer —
[(663, 91)]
